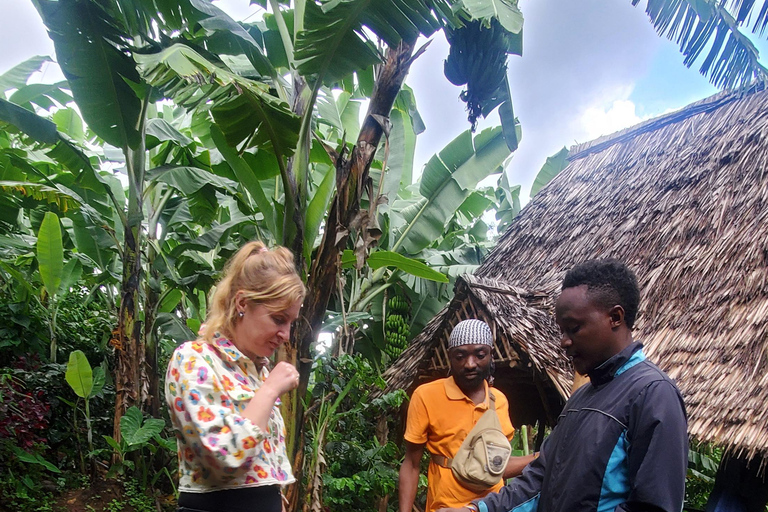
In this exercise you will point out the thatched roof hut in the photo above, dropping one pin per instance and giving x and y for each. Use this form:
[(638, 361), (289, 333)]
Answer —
[(683, 200)]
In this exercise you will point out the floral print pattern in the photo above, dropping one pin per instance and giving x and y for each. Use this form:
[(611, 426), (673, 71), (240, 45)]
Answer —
[(207, 387)]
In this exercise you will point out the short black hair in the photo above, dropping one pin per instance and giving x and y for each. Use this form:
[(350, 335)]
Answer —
[(609, 283)]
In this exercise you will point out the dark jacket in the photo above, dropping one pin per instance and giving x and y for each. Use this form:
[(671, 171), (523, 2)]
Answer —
[(620, 444)]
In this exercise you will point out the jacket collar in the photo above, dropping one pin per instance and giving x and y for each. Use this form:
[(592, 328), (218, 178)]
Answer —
[(617, 364), (453, 392)]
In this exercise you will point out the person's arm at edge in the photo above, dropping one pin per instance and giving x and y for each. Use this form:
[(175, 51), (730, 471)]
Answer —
[(516, 465), (409, 476), (523, 488)]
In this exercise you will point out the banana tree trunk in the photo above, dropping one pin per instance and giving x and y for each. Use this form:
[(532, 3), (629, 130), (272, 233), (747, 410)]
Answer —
[(128, 344), (351, 176)]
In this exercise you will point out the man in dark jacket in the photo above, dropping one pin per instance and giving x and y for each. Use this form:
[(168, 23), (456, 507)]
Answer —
[(621, 442)]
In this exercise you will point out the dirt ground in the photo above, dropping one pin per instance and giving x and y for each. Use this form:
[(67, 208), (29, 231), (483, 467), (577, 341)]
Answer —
[(102, 496)]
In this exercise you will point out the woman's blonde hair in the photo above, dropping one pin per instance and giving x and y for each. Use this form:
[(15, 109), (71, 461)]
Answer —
[(262, 276)]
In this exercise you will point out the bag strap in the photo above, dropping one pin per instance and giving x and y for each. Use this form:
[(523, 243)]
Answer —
[(441, 460), (445, 462)]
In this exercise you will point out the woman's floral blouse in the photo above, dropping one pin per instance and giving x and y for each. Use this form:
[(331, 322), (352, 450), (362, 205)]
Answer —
[(207, 387)]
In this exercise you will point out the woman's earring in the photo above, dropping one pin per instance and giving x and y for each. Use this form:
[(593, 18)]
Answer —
[(240, 314)]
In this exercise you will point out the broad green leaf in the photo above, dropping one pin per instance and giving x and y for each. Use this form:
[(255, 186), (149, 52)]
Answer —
[(35, 458), (41, 192), (317, 207), (170, 300), (243, 108), (189, 180), (114, 444), (64, 152), (30, 123), (90, 51), (506, 11), (247, 178), (334, 42), (211, 238), (509, 203), (79, 374), (329, 45), (402, 149), (335, 320), (163, 131), (218, 20), (550, 169), (70, 275), (447, 180), (379, 259), (18, 75), (68, 121), (99, 379), (708, 27), (41, 95), (135, 431), (50, 253)]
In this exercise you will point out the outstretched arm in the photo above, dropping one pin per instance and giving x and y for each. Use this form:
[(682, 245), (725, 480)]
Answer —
[(409, 475), (516, 465)]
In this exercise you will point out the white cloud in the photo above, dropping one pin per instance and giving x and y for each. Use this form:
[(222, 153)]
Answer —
[(599, 120)]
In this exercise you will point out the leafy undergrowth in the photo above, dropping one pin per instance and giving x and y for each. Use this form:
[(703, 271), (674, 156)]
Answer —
[(102, 496)]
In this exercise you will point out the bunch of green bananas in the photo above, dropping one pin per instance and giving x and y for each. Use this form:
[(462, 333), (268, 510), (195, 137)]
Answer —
[(398, 305), (396, 326), (478, 58)]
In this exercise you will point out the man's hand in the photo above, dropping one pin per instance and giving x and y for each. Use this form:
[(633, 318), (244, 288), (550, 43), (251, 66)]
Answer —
[(462, 509)]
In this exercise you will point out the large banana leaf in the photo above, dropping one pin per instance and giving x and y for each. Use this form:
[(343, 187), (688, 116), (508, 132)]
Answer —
[(17, 76), (247, 177), (216, 20), (447, 180), (42, 95), (64, 152), (89, 49), (50, 253), (40, 192), (188, 180), (506, 11), (317, 206), (549, 170), (379, 259), (243, 108), (406, 124), (700, 26), (335, 40)]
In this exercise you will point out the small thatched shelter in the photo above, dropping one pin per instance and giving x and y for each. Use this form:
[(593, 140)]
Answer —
[(683, 200)]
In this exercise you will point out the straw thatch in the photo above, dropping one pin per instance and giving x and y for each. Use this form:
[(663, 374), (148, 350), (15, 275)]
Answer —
[(531, 368), (682, 200)]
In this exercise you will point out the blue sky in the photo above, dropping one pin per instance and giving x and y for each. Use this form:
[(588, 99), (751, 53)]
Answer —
[(589, 67)]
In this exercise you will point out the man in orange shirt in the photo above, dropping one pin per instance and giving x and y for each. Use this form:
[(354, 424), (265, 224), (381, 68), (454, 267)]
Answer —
[(441, 414)]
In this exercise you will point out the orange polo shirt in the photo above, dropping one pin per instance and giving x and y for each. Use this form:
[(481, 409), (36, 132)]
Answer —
[(440, 415)]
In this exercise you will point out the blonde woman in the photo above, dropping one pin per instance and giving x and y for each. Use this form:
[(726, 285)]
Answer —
[(223, 401)]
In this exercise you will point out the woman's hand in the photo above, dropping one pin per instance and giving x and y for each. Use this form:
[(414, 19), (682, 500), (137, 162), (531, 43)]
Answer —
[(283, 378)]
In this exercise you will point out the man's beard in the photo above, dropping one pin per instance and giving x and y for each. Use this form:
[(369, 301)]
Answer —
[(482, 374)]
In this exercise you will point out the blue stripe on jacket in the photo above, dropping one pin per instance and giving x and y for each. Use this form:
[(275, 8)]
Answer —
[(615, 488)]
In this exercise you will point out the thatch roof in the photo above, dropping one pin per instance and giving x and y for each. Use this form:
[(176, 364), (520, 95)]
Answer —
[(683, 200), (525, 345)]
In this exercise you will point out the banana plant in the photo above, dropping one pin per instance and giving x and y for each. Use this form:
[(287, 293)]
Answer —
[(86, 383), (234, 75)]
